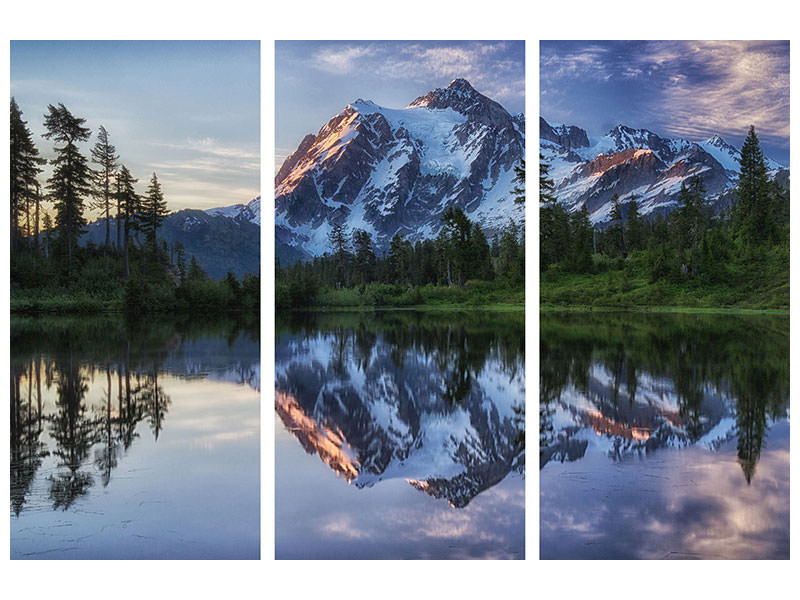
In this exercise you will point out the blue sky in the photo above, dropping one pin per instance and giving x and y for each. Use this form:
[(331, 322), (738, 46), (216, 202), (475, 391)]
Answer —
[(190, 111), (674, 88), (315, 80)]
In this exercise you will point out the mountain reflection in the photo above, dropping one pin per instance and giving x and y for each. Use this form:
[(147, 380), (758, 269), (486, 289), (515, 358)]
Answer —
[(80, 388), (436, 399), (632, 384)]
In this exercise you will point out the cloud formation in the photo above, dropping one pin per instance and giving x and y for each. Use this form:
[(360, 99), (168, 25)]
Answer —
[(486, 65), (691, 89)]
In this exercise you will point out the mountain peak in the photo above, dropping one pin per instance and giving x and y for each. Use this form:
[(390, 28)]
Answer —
[(461, 85), (717, 141), (461, 97)]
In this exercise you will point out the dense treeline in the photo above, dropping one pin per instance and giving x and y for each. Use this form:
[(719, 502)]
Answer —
[(695, 255), (132, 269), (459, 263)]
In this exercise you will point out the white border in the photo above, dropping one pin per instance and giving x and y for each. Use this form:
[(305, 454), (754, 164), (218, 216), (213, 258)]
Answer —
[(313, 19)]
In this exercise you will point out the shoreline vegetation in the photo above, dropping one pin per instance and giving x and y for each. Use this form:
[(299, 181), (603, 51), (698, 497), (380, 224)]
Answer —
[(133, 270), (696, 258)]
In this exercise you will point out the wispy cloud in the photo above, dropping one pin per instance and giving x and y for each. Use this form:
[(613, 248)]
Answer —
[(484, 64), (747, 84), (590, 62), (687, 88), (208, 145), (340, 60)]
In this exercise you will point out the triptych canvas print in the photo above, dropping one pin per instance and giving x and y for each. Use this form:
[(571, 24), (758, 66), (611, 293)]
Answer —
[(399, 239)]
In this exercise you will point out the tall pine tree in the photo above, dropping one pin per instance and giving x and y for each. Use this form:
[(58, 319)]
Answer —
[(153, 212), (104, 154), (130, 209), (754, 214), (71, 178), (24, 164)]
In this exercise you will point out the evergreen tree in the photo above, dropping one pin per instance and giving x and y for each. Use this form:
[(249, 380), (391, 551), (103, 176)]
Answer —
[(616, 228), (754, 213), (47, 227), (70, 181), (780, 204), (24, 164), (196, 272), (582, 241), (519, 182), (364, 259), (689, 224), (482, 256), (180, 261), (508, 264), (340, 250), (554, 231), (104, 154), (635, 227), (555, 237), (153, 212), (130, 209), (546, 185), (399, 259), (459, 232)]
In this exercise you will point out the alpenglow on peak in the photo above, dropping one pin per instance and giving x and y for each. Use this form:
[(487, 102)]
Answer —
[(396, 171)]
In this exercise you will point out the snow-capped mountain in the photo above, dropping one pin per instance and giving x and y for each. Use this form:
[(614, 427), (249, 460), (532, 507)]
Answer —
[(250, 212), (391, 171), (634, 164), (388, 414)]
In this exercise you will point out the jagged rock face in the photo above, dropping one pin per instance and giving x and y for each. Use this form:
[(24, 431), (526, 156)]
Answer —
[(566, 136), (635, 164), (250, 212), (390, 171)]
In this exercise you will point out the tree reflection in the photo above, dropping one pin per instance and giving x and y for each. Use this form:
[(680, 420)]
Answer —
[(73, 432), (27, 450), (711, 365), (89, 432), (106, 456), (154, 400)]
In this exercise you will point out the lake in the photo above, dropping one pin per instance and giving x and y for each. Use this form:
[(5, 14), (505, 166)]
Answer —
[(400, 435), (664, 436), (135, 439)]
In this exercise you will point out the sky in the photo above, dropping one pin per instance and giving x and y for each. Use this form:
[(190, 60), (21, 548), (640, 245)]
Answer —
[(188, 111), (676, 88), (314, 81)]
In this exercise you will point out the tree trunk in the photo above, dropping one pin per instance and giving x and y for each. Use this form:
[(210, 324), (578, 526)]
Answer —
[(36, 220), (108, 213), (28, 220), (127, 267)]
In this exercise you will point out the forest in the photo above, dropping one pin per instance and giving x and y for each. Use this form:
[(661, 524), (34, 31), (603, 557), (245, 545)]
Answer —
[(696, 256), (460, 266), (132, 270)]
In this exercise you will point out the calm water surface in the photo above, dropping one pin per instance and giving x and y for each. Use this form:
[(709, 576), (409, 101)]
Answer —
[(134, 439), (664, 436), (399, 434)]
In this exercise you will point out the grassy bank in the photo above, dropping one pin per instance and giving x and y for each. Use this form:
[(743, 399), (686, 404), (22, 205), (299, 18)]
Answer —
[(760, 283), (383, 295)]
